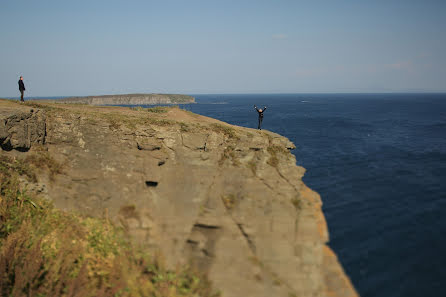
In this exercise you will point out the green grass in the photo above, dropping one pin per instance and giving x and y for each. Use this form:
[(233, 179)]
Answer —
[(158, 109), (48, 252)]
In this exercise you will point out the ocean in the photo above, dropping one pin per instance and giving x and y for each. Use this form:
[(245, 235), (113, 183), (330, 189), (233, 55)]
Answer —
[(379, 163)]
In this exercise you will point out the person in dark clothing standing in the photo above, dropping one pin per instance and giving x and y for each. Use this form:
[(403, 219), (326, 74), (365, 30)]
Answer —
[(260, 111), (21, 88)]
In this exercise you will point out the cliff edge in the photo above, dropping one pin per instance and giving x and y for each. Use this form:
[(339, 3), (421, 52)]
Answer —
[(228, 200)]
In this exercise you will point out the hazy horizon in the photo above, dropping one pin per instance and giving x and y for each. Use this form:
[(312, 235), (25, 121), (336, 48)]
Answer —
[(237, 94), (210, 47)]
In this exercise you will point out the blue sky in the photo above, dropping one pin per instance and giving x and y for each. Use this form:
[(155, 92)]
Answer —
[(81, 47)]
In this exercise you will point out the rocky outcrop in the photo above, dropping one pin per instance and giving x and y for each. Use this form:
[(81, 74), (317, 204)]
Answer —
[(21, 127), (130, 99), (228, 200)]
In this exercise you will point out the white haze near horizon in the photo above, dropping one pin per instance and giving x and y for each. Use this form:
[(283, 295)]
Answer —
[(193, 47)]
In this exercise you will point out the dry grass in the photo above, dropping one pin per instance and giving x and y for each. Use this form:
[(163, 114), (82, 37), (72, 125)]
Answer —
[(137, 108), (297, 203), (274, 152), (38, 105), (43, 160), (226, 130), (16, 165), (229, 154), (160, 122), (47, 252), (229, 201), (116, 120), (184, 127)]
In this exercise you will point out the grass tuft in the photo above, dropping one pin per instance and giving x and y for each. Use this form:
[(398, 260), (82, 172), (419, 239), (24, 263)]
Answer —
[(161, 122), (297, 203), (184, 127), (226, 130), (274, 151), (158, 109), (229, 201)]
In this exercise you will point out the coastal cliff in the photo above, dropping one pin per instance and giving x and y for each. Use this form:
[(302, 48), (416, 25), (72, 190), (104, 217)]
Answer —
[(226, 200), (130, 99)]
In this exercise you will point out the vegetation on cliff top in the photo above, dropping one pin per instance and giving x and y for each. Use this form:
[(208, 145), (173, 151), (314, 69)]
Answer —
[(48, 252)]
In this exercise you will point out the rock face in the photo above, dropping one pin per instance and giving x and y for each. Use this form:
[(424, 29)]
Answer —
[(130, 99), (226, 199), (19, 128)]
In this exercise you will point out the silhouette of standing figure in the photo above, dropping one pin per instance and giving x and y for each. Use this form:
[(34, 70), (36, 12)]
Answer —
[(260, 111), (21, 88)]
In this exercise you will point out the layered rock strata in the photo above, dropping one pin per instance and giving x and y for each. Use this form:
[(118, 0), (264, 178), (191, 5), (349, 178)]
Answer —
[(228, 200)]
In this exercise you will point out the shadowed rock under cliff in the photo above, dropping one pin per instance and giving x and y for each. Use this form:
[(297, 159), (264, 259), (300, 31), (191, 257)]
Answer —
[(230, 200)]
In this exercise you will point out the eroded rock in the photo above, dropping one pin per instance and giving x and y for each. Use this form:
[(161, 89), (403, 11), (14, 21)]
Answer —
[(19, 129)]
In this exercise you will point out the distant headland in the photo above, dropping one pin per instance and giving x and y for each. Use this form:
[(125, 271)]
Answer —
[(130, 99)]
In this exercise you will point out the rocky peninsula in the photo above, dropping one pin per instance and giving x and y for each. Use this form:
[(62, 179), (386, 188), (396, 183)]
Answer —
[(130, 99), (227, 201)]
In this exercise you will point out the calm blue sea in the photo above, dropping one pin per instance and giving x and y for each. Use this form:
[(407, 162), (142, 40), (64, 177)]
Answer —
[(379, 163)]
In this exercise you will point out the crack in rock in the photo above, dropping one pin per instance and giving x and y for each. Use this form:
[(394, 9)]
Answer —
[(205, 226), (247, 237)]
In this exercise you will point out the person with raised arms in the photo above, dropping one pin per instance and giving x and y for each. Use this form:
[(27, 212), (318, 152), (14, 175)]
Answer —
[(260, 111)]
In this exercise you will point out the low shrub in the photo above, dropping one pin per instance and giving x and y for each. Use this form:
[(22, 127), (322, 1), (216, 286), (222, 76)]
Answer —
[(158, 109)]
